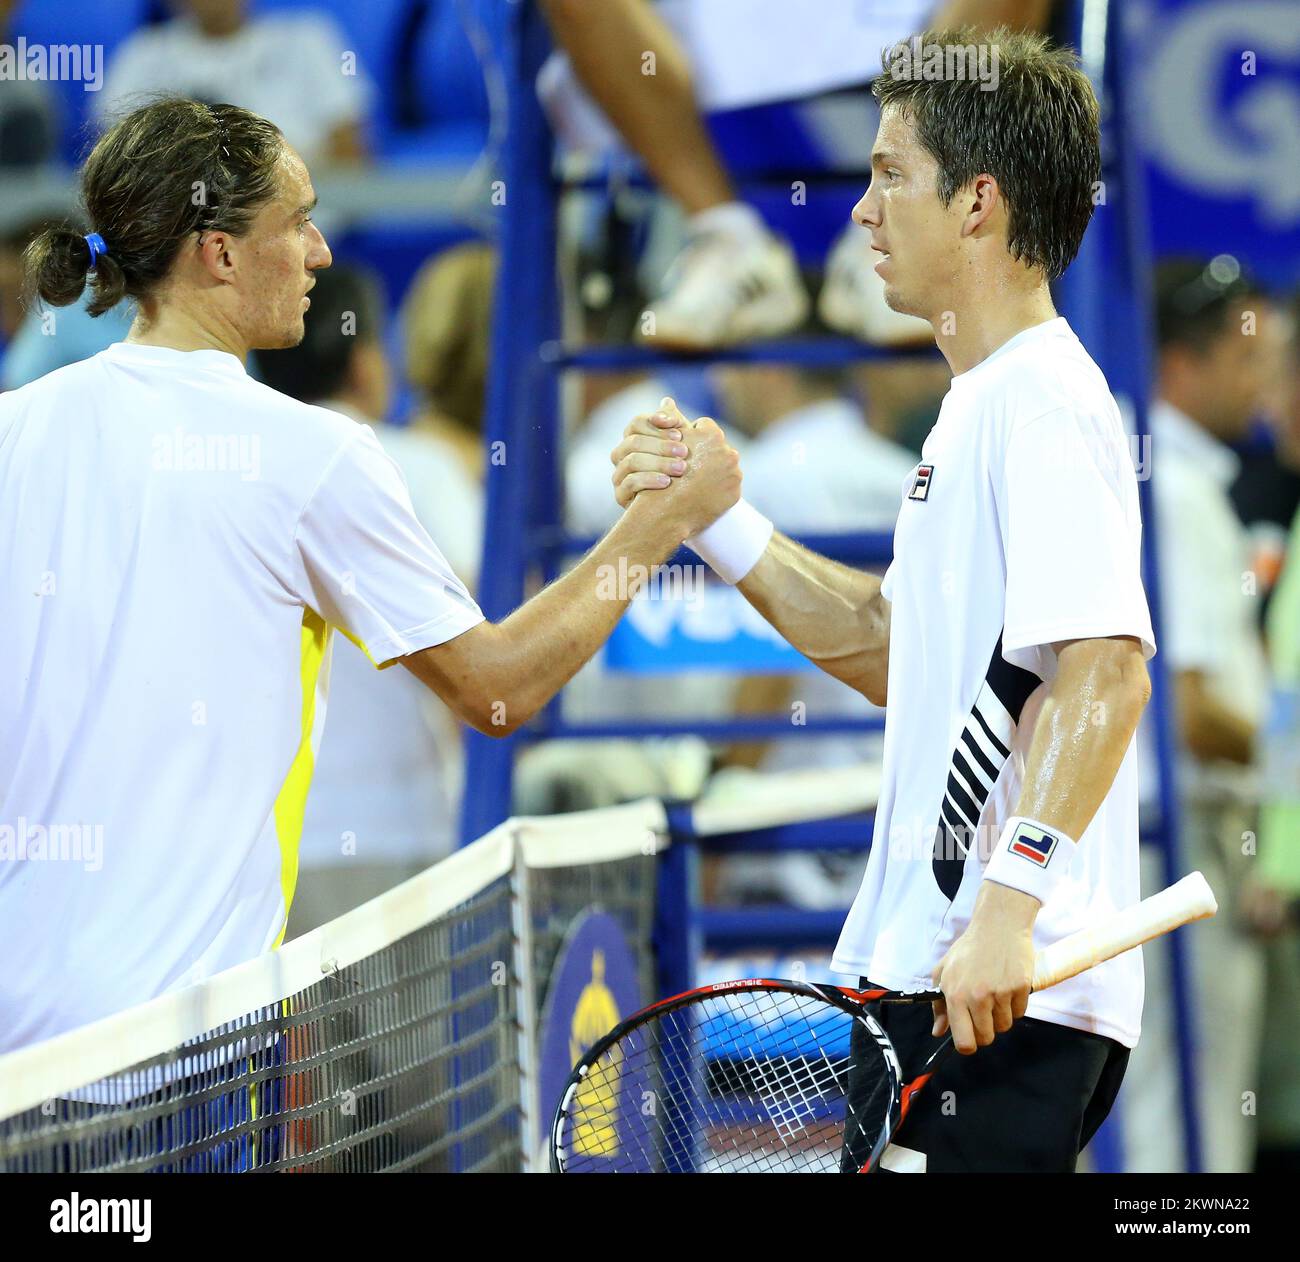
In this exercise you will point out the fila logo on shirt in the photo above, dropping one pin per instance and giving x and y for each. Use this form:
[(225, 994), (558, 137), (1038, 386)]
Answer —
[(1033, 844), (921, 482)]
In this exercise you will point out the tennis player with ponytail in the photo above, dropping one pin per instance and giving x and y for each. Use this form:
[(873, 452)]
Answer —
[(179, 540), (1008, 637)]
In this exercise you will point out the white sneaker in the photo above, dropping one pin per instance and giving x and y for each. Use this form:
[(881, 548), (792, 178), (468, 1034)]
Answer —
[(722, 289), (852, 299)]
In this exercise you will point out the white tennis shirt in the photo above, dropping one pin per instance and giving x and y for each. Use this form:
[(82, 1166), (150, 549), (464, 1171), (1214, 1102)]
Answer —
[(179, 541), (1018, 529)]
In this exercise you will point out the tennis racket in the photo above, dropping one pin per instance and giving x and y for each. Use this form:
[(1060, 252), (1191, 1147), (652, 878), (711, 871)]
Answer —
[(761, 1075)]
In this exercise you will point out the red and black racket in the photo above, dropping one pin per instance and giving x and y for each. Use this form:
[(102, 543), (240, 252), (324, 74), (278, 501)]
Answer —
[(756, 1076)]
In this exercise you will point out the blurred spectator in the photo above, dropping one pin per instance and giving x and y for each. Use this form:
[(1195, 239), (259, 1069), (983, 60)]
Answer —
[(735, 280), (39, 339), (1266, 493), (28, 112), (571, 775), (385, 796), (1211, 375), (12, 245), (814, 466), (1273, 897), (903, 396), (292, 68), (447, 319)]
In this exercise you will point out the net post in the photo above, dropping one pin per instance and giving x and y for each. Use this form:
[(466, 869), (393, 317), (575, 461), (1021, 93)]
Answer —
[(674, 934), (521, 908), (674, 940)]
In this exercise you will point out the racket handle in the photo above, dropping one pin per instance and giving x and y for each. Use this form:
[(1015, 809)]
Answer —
[(1184, 901)]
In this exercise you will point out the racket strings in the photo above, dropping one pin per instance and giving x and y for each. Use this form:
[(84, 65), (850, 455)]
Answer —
[(737, 1082)]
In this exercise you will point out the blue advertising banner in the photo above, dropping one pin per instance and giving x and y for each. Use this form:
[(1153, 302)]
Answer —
[(1219, 97), (705, 626), (593, 987)]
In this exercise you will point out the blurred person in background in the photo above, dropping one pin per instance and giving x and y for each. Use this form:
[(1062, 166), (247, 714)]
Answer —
[(735, 280), (29, 113), (813, 463), (567, 775), (446, 321), (1211, 377), (447, 324), (814, 466), (386, 797), (291, 67), (603, 306), (1271, 899), (12, 244), (1266, 491), (902, 395)]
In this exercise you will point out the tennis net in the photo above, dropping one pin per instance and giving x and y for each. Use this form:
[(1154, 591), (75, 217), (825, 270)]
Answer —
[(401, 1036)]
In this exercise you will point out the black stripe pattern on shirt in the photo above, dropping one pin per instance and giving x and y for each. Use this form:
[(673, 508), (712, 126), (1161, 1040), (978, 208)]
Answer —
[(977, 760)]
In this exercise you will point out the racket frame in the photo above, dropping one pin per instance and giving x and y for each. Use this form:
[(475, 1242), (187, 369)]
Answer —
[(851, 1002)]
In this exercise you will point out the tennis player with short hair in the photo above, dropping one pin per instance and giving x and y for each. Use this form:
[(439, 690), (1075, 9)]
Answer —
[(179, 542), (1010, 633)]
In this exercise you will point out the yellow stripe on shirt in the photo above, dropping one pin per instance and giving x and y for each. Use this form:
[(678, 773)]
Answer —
[(291, 801)]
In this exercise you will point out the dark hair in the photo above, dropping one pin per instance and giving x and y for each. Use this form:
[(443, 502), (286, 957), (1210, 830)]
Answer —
[(163, 172), (1038, 132), (1196, 299), (347, 309)]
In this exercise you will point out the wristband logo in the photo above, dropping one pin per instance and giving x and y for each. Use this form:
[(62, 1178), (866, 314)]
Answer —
[(1033, 844)]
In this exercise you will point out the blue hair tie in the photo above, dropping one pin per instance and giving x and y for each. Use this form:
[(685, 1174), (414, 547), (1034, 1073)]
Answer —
[(97, 247)]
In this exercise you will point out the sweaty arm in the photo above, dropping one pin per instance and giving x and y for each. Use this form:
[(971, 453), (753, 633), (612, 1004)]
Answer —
[(1077, 592), (1083, 731), (496, 676), (833, 614), (365, 564), (1082, 734)]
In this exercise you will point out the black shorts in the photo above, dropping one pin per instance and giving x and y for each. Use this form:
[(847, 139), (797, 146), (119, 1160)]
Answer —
[(1027, 1103)]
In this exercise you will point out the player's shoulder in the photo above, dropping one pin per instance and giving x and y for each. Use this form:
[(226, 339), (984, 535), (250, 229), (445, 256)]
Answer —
[(67, 378), (312, 428), (1057, 377)]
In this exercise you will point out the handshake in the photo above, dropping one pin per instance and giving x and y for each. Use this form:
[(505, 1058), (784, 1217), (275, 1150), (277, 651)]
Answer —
[(682, 472)]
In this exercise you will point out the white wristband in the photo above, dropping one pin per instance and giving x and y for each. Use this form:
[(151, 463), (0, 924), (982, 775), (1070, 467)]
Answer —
[(1031, 857), (734, 543)]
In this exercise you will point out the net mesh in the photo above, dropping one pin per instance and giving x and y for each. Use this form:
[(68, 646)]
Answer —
[(620, 889), (407, 1059), (740, 1082)]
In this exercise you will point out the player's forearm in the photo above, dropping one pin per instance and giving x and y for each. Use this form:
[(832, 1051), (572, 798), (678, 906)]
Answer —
[(544, 643), (832, 613), (1083, 732)]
